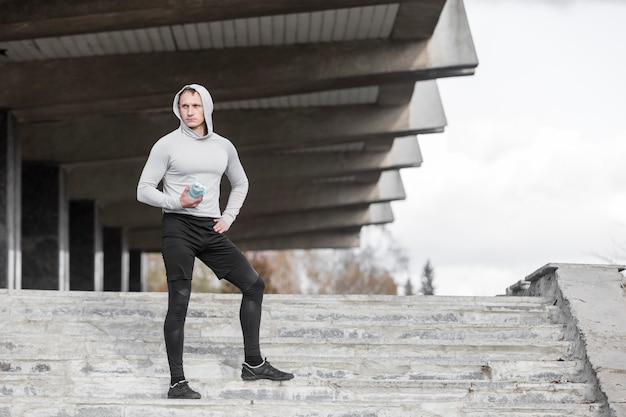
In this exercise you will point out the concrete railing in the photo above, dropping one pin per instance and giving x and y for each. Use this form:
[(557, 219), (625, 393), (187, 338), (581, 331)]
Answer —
[(592, 300)]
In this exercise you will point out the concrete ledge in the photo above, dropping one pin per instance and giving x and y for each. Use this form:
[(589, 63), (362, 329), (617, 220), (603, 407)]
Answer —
[(593, 299)]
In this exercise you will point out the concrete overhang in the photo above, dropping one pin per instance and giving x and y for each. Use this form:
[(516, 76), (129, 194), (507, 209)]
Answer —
[(323, 101)]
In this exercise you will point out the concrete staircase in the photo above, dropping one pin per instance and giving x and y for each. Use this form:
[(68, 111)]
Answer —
[(86, 354)]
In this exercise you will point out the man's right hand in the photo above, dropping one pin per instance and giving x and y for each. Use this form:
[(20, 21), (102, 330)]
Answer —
[(188, 202)]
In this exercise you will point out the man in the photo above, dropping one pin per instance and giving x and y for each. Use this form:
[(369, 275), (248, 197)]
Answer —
[(194, 227)]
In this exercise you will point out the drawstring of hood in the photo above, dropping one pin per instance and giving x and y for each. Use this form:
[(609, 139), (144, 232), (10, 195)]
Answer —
[(207, 105)]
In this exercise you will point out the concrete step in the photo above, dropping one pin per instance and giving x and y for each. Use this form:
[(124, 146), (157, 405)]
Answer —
[(129, 387), (137, 304), (126, 328), (332, 369), (37, 407), (370, 314), (44, 348), (81, 354)]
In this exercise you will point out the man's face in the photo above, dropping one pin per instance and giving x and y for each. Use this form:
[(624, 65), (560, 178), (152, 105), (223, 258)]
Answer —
[(191, 110)]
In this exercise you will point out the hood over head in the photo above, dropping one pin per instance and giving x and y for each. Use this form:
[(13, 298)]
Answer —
[(207, 105)]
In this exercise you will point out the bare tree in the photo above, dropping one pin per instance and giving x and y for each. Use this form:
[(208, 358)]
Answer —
[(277, 269), (156, 273), (389, 254), (615, 256), (346, 272)]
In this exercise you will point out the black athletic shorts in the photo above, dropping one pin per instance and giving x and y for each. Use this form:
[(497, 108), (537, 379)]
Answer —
[(187, 237)]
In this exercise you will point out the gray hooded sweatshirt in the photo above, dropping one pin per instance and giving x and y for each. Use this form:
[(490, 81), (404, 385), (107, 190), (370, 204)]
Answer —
[(182, 157)]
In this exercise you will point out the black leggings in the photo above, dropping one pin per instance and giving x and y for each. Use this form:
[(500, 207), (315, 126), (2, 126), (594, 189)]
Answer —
[(251, 286)]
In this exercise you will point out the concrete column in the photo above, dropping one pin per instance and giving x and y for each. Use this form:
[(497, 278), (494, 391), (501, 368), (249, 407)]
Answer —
[(64, 232), (86, 268), (10, 183), (113, 249), (135, 270), (40, 226)]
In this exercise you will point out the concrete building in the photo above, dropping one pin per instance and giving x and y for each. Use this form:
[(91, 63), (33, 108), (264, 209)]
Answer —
[(323, 99)]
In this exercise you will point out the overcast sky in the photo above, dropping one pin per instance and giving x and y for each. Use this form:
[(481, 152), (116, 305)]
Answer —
[(531, 168)]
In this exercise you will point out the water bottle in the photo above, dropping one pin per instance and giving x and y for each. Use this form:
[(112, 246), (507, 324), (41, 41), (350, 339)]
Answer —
[(196, 190)]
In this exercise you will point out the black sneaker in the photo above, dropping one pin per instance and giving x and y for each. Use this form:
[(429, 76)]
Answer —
[(263, 371), (181, 390)]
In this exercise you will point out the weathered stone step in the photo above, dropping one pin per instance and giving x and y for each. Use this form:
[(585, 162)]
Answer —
[(134, 307), (38, 407), (397, 369), (525, 410), (302, 389), (14, 297), (129, 329), (453, 331), (511, 410), (273, 313), (442, 315), (45, 347)]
